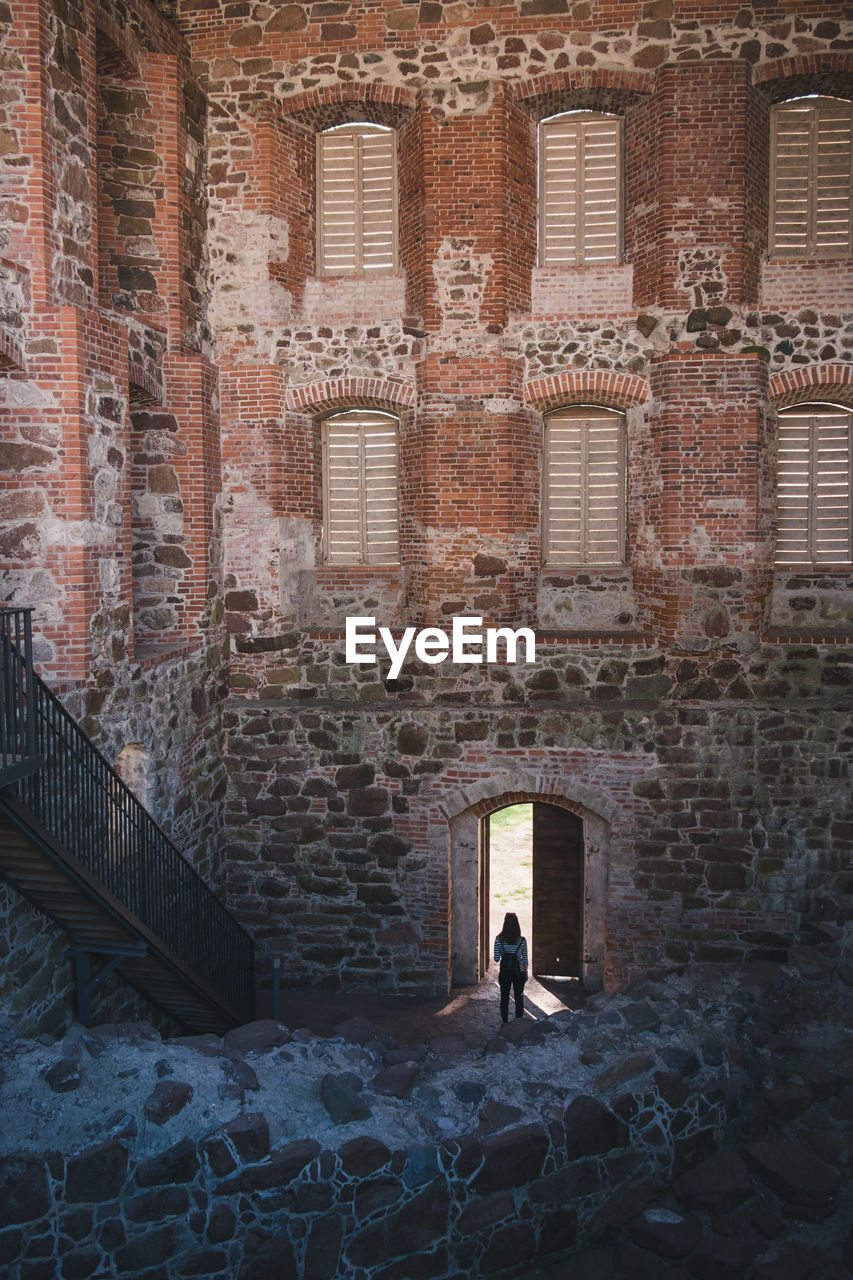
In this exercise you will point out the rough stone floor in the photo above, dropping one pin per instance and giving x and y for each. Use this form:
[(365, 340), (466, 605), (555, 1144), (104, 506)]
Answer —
[(137, 1124), (469, 1013), (757, 1209)]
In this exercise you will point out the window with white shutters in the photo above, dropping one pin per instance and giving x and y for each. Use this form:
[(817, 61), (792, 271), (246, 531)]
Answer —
[(580, 189), (360, 492), (584, 487), (356, 200), (811, 174), (813, 496)]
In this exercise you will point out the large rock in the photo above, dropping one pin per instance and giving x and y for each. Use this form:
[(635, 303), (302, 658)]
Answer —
[(399, 1080), (341, 1100), (97, 1174), (511, 1158), (684, 1061), (362, 1156), (284, 1164), (495, 1115), (636, 1064), (794, 1173), (64, 1075), (167, 1099), (249, 1135), (241, 1074), (255, 1037), (177, 1164), (672, 1235), (592, 1129), (268, 1252), (417, 1228), (24, 1192), (721, 1182), (640, 1016)]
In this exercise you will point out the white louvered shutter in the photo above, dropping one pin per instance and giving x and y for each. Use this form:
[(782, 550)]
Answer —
[(356, 200), (360, 489), (812, 172), (584, 489), (580, 190), (814, 487)]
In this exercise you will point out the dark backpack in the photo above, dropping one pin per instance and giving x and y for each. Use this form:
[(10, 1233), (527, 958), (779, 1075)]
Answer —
[(510, 960)]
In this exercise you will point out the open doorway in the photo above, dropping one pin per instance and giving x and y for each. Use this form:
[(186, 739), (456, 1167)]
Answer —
[(510, 844), (571, 849), (531, 862)]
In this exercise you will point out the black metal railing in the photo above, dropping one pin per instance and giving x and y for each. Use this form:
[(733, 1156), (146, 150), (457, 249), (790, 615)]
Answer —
[(17, 689), (87, 809)]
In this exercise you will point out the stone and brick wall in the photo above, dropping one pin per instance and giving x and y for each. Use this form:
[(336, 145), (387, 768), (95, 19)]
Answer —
[(168, 350), (337, 836), (109, 448)]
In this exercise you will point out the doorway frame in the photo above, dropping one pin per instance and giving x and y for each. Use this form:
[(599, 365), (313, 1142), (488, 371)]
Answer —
[(469, 947)]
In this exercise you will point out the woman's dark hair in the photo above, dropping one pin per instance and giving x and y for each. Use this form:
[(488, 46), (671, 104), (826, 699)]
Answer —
[(511, 932)]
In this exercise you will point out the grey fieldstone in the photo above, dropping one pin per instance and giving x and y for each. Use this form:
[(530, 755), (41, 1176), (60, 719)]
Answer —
[(24, 1191), (398, 1080), (166, 1100), (721, 1182), (63, 1076), (683, 1061), (249, 1135), (240, 1073), (626, 1069), (342, 1103), (470, 1091), (97, 1174), (663, 1231), (362, 1156), (592, 1128), (178, 1163), (497, 1115), (794, 1173), (255, 1037), (641, 1017)]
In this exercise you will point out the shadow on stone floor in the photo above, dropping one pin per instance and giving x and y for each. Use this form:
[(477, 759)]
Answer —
[(468, 1013)]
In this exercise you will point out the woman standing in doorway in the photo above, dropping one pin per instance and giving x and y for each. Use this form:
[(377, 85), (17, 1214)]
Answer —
[(511, 954)]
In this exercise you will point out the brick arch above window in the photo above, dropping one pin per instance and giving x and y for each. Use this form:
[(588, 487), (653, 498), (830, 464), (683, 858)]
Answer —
[(833, 382), (317, 398), (118, 48), (317, 110), (11, 352), (582, 90), (606, 387), (821, 73), (144, 387)]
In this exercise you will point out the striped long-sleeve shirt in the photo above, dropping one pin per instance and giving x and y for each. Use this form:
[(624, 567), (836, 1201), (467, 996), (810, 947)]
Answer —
[(502, 948)]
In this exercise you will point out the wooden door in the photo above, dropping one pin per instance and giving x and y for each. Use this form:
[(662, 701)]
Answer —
[(557, 891)]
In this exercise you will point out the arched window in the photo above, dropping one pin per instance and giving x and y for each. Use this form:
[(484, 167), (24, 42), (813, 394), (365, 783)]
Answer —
[(810, 204), (360, 488), (814, 486), (580, 189), (584, 487), (356, 200)]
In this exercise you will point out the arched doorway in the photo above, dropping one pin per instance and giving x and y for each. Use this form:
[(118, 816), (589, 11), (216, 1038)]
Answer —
[(574, 841), (553, 914)]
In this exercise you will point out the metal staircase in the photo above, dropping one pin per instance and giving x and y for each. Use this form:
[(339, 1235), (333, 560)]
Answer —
[(77, 843)]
